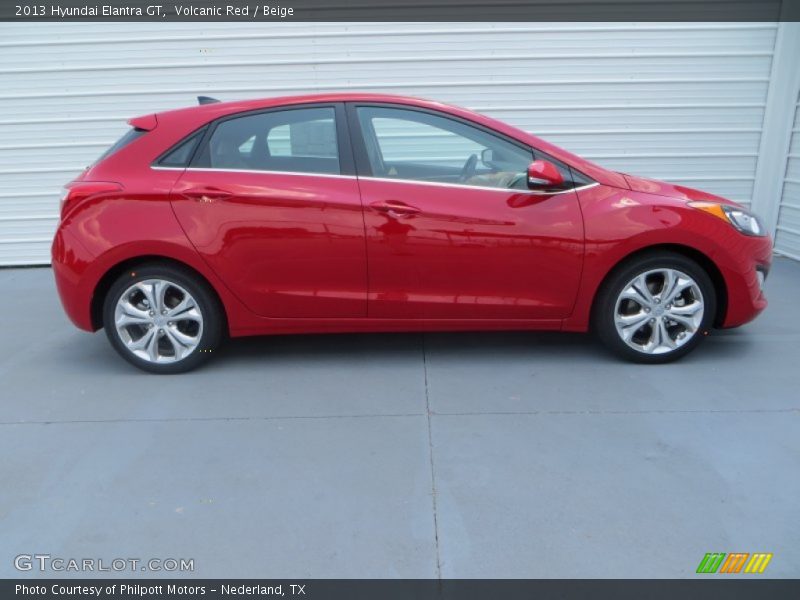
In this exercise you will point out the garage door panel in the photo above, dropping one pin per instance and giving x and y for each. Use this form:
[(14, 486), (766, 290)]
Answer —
[(530, 91), (64, 158), (24, 227), (47, 129), (787, 235), (656, 140), (31, 252), (36, 182), (237, 41), (793, 168), (788, 243), (16, 205)]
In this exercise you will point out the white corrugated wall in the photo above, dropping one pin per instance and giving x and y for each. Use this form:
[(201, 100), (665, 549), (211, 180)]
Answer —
[(787, 235), (682, 102)]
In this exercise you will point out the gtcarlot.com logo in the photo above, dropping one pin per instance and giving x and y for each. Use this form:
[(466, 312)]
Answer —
[(47, 563)]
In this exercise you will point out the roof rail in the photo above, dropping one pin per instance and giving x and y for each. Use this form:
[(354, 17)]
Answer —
[(206, 100)]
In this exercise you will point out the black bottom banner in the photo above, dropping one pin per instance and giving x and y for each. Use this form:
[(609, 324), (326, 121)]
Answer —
[(391, 589)]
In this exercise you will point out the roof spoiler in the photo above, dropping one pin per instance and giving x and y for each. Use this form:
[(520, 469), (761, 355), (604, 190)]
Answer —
[(206, 100), (145, 123)]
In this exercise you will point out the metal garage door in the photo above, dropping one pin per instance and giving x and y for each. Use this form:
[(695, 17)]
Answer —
[(787, 234), (683, 102)]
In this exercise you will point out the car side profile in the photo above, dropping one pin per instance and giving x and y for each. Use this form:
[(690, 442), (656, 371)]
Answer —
[(357, 212)]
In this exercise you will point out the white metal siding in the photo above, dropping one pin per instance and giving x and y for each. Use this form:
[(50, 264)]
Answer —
[(787, 235), (682, 102)]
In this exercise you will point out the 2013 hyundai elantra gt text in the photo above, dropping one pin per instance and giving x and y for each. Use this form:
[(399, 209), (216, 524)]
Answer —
[(355, 212)]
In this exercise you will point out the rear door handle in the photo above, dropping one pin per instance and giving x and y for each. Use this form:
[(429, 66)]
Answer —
[(394, 208), (206, 194)]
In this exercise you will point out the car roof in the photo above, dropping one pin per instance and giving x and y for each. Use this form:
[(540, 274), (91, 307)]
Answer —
[(234, 106)]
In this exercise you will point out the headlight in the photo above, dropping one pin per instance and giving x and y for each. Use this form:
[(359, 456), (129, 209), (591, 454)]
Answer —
[(745, 221)]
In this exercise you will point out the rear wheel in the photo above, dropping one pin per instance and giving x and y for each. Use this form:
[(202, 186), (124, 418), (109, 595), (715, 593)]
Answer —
[(162, 319), (656, 308)]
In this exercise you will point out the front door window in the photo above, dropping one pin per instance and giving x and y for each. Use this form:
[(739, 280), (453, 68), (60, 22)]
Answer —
[(419, 146)]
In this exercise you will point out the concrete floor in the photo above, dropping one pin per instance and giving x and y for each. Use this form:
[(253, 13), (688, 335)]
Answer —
[(460, 455)]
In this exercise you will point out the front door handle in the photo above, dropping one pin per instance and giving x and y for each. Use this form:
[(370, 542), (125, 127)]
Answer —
[(394, 208), (206, 194)]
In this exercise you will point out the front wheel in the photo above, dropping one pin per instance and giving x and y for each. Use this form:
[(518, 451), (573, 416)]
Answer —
[(656, 308), (162, 319)]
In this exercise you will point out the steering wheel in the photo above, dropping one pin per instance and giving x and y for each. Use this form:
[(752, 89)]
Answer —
[(468, 170)]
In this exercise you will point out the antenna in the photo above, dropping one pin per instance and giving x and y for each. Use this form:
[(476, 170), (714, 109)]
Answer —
[(206, 100)]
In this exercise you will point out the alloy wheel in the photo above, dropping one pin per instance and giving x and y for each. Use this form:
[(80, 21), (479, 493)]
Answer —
[(659, 311), (158, 321)]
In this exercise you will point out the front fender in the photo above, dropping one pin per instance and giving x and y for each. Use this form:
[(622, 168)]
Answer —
[(619, 223)]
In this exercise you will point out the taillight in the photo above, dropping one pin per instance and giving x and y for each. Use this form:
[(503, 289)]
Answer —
[(80, 190)]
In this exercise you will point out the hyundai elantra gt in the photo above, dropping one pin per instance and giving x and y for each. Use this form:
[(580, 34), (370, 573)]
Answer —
[(355, 212)]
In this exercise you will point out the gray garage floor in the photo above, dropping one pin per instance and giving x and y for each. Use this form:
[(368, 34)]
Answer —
[(465, 455)]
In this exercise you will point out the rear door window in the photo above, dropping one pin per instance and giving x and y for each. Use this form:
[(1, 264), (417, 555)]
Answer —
[(300, 140)]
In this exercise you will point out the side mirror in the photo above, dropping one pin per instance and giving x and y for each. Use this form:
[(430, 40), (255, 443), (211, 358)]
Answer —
[(487, 156), (543, 174)]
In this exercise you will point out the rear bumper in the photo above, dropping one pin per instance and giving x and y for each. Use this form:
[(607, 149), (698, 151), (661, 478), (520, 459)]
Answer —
[(70, 263), (746, 299)]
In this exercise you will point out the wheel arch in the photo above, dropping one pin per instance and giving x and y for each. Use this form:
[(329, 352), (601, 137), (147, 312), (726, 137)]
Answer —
[(107, 280), (708, 265)]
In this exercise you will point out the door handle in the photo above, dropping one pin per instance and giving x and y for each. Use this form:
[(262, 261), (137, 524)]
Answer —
[(394, 208), (206, 194)]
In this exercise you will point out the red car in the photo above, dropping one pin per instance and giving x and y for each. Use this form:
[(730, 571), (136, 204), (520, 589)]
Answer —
[(356, 212)]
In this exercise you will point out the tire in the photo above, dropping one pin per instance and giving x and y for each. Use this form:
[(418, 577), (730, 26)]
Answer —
[(175, 341), (637, 318)]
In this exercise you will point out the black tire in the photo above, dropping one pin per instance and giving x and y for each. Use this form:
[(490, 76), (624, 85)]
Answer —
[(206, 302), (603, 316)]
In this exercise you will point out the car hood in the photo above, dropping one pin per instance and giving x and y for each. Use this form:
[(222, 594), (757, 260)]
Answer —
[(670, 190)]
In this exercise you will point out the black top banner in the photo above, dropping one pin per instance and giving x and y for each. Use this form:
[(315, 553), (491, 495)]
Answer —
[(394, 589), (400, 10)]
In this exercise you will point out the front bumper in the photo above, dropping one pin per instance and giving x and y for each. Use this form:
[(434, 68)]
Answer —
[(745, 272)]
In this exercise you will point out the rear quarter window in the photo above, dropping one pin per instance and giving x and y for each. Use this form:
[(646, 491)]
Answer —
[(180, 154), (131, 136)]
